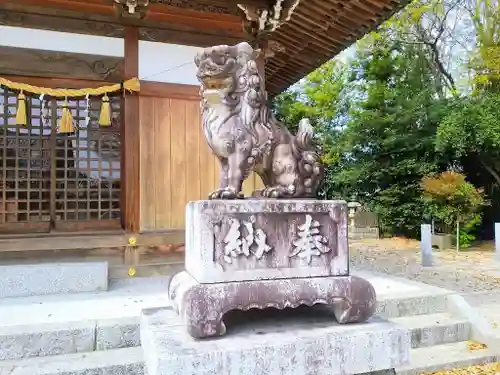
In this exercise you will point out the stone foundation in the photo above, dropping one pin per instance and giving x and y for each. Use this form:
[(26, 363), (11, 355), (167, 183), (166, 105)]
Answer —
[(257, 253), (254, 239), (304, 343), (202, 306)]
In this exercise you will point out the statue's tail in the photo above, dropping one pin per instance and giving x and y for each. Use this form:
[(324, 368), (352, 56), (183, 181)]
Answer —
[(309, 162)]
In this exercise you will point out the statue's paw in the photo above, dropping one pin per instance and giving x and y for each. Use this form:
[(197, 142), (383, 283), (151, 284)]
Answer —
[(215, 194), (274, 192), (226, 193)]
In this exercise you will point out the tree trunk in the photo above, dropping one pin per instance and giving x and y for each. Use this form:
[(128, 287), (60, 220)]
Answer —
[(491, 171)]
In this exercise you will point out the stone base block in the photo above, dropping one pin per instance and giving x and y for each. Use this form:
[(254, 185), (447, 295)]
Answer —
[(52, 278), (258, 239), (351, 299), (308, 344)]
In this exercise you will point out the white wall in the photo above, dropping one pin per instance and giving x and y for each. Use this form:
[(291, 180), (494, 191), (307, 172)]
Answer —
[(167, 62), (157, 61)]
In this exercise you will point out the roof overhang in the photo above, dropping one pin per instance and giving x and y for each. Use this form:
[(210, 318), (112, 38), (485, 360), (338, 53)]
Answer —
[(316, 31)]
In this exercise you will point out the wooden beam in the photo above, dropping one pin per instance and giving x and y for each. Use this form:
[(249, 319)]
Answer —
[(102, 7), (170, 90), (156, 14), (56, 241), (110, 27), (53, 64), (256, 3), (130, 162)]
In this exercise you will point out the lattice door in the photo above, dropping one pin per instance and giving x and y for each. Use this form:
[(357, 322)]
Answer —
[(25, 168), (52, 180)]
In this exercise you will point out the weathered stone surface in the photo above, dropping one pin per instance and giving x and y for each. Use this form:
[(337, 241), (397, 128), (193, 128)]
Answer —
[(50, 339), (255, 239), (117, 333), (308, 344), (128, 361), (242, 132), (52, 278), (202, 306)]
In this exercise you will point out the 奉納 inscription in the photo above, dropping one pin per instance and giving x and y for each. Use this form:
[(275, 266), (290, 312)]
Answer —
[(309, 241), (243, 239)]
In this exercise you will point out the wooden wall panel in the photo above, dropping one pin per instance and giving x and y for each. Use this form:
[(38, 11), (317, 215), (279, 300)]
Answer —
[(177, 165)]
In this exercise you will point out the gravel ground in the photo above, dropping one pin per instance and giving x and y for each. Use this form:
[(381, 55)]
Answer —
[(470, 271)]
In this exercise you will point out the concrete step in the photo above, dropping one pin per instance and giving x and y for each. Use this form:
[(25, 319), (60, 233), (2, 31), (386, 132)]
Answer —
[(399, 306), (397, 297), (128, 361), (52, 278), (42, 326), (50, 339), (435, 329), (446, 357)]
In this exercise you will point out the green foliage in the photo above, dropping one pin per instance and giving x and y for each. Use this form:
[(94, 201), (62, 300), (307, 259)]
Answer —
[(449, 198), (323, 99), (472, 125), (388, 144), (394, 114), (486, 62), (466, 234)]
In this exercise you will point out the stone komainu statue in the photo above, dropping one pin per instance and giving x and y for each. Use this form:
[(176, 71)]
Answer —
[(243, 133)]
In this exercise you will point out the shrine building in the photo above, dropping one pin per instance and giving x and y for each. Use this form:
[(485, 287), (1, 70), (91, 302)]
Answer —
[(101, 145)]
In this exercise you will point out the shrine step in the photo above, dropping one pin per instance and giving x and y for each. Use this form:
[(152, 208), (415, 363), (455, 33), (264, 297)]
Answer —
[(128, 361), (446, 357), (397, 306), (435, 329), (69, 337), (42, 326), (25, 280), (398, 297)]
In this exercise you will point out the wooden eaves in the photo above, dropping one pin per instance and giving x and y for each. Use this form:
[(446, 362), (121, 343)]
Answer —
[(316, 31)]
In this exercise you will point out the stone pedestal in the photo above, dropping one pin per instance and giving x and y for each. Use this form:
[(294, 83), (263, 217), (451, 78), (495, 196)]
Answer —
[(259, 253), (308, 344), (253, 239)]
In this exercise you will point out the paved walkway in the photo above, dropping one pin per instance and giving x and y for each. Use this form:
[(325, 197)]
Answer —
[(469, 271)]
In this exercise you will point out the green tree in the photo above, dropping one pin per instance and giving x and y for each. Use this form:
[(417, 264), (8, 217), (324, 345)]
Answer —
[(471, 129), (389, 140), (485, 62), (399, 111), (323, 97), (449, 198)]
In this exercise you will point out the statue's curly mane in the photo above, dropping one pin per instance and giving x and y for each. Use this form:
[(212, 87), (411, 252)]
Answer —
[(246, 97)]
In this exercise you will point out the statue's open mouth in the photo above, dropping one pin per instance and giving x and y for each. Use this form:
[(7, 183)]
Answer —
[(212, 83)]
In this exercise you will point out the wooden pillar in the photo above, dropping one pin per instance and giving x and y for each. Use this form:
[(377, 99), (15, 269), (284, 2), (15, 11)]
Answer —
[(130, 162)]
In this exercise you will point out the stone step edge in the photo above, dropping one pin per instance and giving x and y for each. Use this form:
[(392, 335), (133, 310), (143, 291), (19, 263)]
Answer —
[(481, 329), (426, 365), (72, 337), (41, 340), (25, 280), (115, 333), (395, 307), (126, 361), (435, 329), (69, 337), (453, 303)]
